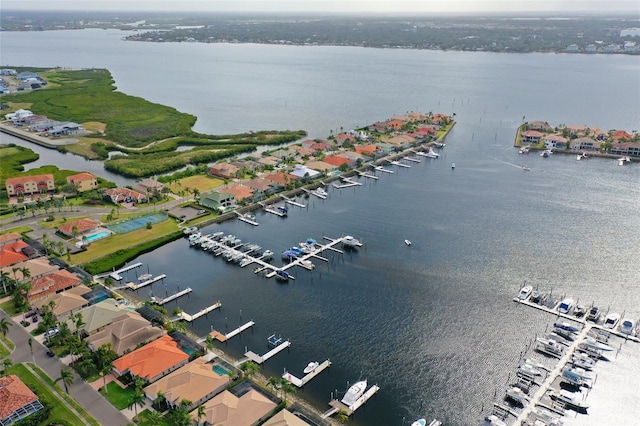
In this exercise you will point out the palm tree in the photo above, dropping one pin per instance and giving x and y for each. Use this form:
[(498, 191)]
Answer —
[(196, 193), (4, 327), (87, 364), (66, 377), (273, 382), (250, 368), (78, 322), (201, 412), (287, 388), (137, 399), (26, 273), (104, 372), (4, 276), (342, 416), (6, 365), (154, 418)]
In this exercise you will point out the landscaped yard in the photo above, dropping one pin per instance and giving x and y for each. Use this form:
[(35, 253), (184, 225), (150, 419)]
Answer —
[(17, 229), (143, 420), (200, 182), (9, 308), (117, 396)]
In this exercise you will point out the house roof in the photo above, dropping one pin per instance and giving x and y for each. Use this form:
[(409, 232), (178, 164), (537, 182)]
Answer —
[(239, 191), (9, 237), (314, 166), (259, 184), (556, 138), (366, 148), (336, 160), (65, 301), (12, 253), (80, 177), (125, 333), (269, 160), (621, 134), (14, 394), (224, 168), (152, 359), (24, 179), (191, 382), (281, 178), (226, 409), (52, 283), (216, 195), (118, 194), (285, 418), (98, 315), (301, 170), (37, 267), (83, 225)]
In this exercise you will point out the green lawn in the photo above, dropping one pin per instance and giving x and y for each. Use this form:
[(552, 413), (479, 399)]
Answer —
[(17, 229), (3, 349), (143, 420), (117, 396), (60, 413), (9, 308)]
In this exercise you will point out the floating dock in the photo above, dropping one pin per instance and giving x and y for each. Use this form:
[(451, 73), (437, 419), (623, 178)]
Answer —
[(224, 337), (190, 318), (349, 410), (306, 379), (133, 286), (292, 202), (246, 219), (366, 175), (382, 169), (161, 301), (116, 274), (260, 359)]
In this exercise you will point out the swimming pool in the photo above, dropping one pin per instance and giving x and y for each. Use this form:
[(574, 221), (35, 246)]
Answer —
[(219, 370), (97, 236)]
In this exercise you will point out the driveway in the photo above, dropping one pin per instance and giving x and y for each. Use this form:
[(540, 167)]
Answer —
[(101, 409)]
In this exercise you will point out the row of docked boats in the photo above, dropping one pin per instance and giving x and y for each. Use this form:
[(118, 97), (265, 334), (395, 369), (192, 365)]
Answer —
[(231, 248)]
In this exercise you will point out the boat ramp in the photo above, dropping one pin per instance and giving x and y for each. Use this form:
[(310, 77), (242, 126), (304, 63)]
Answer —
[(133, 286), (116, 274), (260, 359), (306, 379), (349, 410), (161, 301), (224, 337), (190, 318)]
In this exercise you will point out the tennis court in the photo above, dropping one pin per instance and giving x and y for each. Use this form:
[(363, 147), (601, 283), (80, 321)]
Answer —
[(137, 223)]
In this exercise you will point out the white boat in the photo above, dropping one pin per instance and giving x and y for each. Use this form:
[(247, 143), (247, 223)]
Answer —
[(432, 154), (319, 192), (565, 306), (407, 242), (623, 160), (354, 392), (310, 367), (439, 144), (525, 292), (435, 422), (572, 377), (419, 422), (453, 165), (611, 320), (517, 394), (494, 420), (546, 153), (535, 363), (593, 343), (569, 398), (307, 264), (550, 347), (626, 326), (583, 361), (529, 370), (526, 169), (349, 241)]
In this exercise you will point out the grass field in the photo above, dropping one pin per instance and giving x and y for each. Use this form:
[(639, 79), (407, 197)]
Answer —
[(143, 420), (117, 396), (18, 229), (12, 158), (200, 182)]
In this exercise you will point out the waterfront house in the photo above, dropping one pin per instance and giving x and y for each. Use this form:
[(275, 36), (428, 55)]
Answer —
[(282, 154), (153, 360), (64, 303), (195, 382), (280, 179), (98, 316), (66, 128), (218, 200), (27, 75), (343, 138), (269, 161), (324, 167), (240, 191), (336, 161), (378, 127), (539, 125), (555, 141), (584, 144), (13, 252), (369, 150), (626, 149), (83, 181), (393, 125), (301, 171), (249, 165), (125, 195), (303, 151), (226, 409), (400, 142), (441, 119), (261, 185), (320, 146), (17, 401), (28, 185), (149, 186), (285, 418), (308, 142), (125, 333), (531, 137), (78, 227), (224, 170), (38, 267), (55, 282), (621, 136)]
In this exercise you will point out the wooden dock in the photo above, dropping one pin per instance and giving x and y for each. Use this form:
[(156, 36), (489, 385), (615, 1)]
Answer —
[(190, 318), (347, 183), (399, 164), (366, 175), (224, 337), (349, 410), (382, 169), (133, 286), (292, 202), (272, 211), (116, 274), (161, 301), (260, 359), (246, 219), (306, 379)]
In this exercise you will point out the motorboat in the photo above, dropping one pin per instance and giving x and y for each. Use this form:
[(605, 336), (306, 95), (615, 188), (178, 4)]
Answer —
[(556, 338), (566, 335), (546, 416), (453, 166), (517, 395), (529, 370), (594, 314), (267, 255), (320, 192), (419, 422), (583, 361), (570, 399), (565, 305), (350, 242), (537, 296), (611, 320), (550, 347), (581, 372), (525, 292), (580, 311), (297, 250), (526, 168), (282, 276), (311, 367), (535, 363), (407, 242), (189, 230), (435, 422), (572, 378), (439, 144), (626, 326), (494, 420), (217, 235), (593, 343), (288, 255), (524, 150), (566, 326), (307, 264), (546, 153), (432, 154), (354, 392)]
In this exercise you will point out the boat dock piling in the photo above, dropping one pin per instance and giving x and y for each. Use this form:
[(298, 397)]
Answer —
[(349, 410), (382, 169), (292, 202), (224, 337), (246, 219), (133, 286), (160, 301), (366, 175), (190, 318), (306, 379), (260, 359), (116, 274)]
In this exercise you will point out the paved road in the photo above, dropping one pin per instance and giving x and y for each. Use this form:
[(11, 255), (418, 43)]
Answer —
[(101, 409)]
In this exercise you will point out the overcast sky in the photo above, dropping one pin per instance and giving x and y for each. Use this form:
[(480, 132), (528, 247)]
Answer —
[(388, 6)]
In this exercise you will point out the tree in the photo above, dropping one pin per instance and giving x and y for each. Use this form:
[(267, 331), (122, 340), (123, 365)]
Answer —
[(274, 382), (250, 368), (66, 377), (4, 327), (154, 418), (201, 412), (86, 365), (5, 279), (6, 365), (287, 388), (26, 273), (343, 417), (137, 400), (78, 322)]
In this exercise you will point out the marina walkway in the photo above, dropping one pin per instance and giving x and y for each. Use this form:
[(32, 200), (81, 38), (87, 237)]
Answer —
[(224, 337), (133, 286), (260, 359), (190, 318), (349, 410), (306, 379), (161, 301), (116, 274)]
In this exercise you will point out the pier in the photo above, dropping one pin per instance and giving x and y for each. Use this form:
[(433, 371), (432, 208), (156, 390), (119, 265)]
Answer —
[(413, 160), (272, 211), (306, 379), (349, 410), (224, 337), (347, 183), (292, 202), (399, 164), (366, 175), (161, 301), (190, 318), (116, 274), (260, 359), (382, 169), (133, 286), (247, 219)]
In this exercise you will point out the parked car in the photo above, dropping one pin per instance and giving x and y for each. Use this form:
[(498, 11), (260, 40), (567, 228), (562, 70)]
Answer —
[(51, 332), (50, 353), (30, 314)]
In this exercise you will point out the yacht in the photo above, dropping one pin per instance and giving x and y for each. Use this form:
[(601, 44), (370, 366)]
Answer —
[(594, 314), (611, 320), (407, 242), (580, 311), (550, 347), (267, 255), (439, 144), (350, 242), (583, 361), (354, 392), (320, 192), (566, 326), (565, 306), (529, 370), (524, 150), (435, 422), (525, 292), (546, 153), (419, 422), (307, 264), (626, 327), (310, 367), (494, 420), (572, 378), (535, 363), (517, 394), (432, 154), (570, 399), (593, 343), (281, 275)]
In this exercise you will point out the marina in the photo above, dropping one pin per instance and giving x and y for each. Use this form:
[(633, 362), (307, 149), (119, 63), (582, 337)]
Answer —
[(190, 318), (162, 301), (224, 337), (300, 382), (134, 286)]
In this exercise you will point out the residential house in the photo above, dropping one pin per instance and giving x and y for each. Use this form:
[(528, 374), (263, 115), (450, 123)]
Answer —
[(323, 167), (18, 116), (343, 138), (303, 172), (626, 149), (378, 126), (539, 125), (37, 268), (320, 146), (424, 132), (260, 186), (621, 136), (249, 165), (125, 333), (26, 75), (27, 185), (335, 160), (224, 170), (66, 128), (218, 200), (373, 151), (285, 418), (281, 154), (78, 227), (226, 409), (308, 142), (402, 118), (240, 191), (17, 401), (152, 361), (83, 181), (64, 303), (9, 237), (280, 180), (400, 142), (441, 119), (149, 186), (418, 117), (578, 130), (584, 144), (269, 161), (125, 195), (393, 125), (12, 252), (98, 316), (353, 157), (195, 382), (531, 137), (52, 283), (555, 141)]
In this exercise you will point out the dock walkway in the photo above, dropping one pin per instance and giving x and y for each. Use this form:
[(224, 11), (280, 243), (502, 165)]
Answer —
[(224, 337), (190, 318), (133, 286), (306, 379), (292, 202), (116, 274), (260, 359), (161, 301), (349, 410)]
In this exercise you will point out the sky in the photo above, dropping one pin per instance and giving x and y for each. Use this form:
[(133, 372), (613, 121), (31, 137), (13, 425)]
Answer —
[(380, 6)]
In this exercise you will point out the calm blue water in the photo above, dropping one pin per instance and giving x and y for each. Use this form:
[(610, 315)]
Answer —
[(97, 236), (433, 324)]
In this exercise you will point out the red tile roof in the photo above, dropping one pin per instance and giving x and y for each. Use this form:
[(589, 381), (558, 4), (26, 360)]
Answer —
[(12, 253), (532, 134), (152, 359), (366, 148), (80, 177), (239, 191), (281, 178), (336, 160), (9, 236), (52, 283), (24, 179), (83, 225), (621, 134), (14, 395)]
